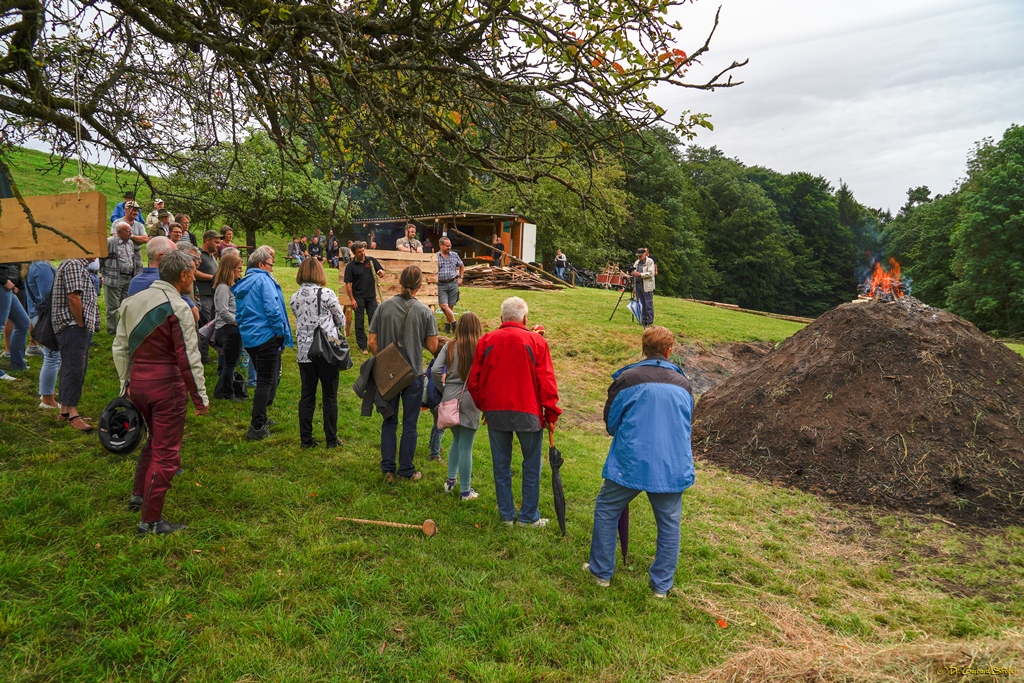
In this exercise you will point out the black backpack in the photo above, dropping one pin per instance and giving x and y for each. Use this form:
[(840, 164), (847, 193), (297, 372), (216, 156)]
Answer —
[(43, 331)]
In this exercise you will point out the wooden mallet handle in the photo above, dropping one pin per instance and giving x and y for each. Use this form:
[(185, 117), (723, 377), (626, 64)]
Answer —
[(428, 527)]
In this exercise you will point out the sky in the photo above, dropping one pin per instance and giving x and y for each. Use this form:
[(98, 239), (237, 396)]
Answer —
[(885, 95)]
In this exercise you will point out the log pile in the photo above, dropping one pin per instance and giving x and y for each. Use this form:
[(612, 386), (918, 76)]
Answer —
[(495, 277)]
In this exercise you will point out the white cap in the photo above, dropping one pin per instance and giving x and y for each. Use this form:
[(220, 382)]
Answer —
[(157, 201)]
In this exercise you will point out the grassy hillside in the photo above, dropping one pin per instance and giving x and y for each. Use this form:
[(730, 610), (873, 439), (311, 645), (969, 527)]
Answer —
[(38, 174), (265, 584)]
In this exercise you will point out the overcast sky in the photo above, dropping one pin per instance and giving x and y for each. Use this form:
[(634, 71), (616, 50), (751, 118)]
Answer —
[(885, 94)]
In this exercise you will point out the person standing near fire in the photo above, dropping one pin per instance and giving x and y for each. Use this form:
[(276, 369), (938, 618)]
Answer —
[(643, 284)]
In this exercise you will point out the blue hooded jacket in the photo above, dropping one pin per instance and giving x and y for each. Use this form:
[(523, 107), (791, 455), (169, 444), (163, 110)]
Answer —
[(260, 309), (649, 415)]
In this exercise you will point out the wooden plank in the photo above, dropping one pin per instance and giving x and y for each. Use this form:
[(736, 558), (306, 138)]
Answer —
[(82, 217), (398, 260)]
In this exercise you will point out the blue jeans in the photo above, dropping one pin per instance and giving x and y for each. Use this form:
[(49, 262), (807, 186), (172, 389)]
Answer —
[(501, 459), (11, 309), (411, 398), (560, 273), (668, 509), (48, 373), (436, 437)]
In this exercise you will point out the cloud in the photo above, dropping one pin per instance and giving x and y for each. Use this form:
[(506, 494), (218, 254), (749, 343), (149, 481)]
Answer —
[(883, 95)]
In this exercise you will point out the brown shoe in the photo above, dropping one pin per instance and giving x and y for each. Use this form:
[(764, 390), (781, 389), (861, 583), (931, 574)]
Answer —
[(389, 477), (79, 423), (416, 476)]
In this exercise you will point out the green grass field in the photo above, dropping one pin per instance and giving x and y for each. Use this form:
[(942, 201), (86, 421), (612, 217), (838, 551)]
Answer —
[(265, 585)]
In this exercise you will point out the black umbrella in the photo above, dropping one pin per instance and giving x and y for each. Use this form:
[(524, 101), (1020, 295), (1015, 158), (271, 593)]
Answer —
[(555, 459), (624, 532)]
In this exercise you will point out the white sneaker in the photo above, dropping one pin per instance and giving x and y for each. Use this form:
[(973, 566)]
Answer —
[(469, 495), (539, 524), (449, 485), (9, 378), (603, 583), (46, 406), (660, 596)]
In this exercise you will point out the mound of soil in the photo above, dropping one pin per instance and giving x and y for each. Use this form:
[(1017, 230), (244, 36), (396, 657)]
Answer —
[(897, 405), (707, 367)]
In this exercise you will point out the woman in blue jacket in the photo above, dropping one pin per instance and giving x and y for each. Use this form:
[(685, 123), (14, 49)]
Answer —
[(263, 323), (648, 413)]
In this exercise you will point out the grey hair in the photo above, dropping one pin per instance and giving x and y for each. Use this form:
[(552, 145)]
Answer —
[(358, 245), (260, 254), (443, 240), (514, 309), (188, 248), (229, 250), (172, 263), (157, 247), (118, 224)]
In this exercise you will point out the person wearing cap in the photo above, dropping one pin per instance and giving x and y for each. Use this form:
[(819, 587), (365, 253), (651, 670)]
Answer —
[(643, 285), (162, 227), (118, 213), (204, 284), (154, 215), (118, 269), (139, 236)]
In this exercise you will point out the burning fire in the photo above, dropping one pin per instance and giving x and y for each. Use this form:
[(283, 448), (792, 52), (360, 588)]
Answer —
[(884, 284)]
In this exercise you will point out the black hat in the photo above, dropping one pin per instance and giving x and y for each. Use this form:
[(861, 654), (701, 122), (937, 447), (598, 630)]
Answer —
[(122, 427), (641, 251)]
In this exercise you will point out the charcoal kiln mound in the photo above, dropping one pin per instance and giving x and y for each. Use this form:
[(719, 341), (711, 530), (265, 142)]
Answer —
[(897, 405), (707, 366)]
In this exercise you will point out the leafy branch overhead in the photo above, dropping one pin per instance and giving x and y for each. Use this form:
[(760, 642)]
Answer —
[(508, 89)]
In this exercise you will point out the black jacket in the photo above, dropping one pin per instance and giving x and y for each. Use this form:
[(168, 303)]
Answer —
[(366, 389)]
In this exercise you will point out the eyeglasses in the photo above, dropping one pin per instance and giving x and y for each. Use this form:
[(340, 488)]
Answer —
[(269, 263)]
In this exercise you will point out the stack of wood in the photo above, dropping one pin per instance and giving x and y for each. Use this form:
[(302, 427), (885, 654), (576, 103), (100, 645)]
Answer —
[(495, 277)]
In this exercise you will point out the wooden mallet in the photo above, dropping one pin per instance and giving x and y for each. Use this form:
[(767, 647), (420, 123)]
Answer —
[(428, 527)]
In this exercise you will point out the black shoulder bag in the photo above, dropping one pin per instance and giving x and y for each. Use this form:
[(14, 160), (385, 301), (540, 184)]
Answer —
[(335, 352)]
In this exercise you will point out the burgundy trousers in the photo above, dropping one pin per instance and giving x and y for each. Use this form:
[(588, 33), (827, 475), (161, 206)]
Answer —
[(163, 402)]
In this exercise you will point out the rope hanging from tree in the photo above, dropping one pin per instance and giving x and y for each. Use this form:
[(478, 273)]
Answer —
[(80, 181)]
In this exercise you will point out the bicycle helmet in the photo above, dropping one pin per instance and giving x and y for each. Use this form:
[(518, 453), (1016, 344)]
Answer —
[(121, 427)]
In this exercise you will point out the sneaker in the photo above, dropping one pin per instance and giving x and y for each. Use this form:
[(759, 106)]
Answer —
[(8, 378), (508, 522), (160, 528), (257, 434), (469, 495), (435, 458), (539, 524), (603, 583), (449, 485), (4, 354), (660, 596), (134, 503), (34, 351), (415, 476)]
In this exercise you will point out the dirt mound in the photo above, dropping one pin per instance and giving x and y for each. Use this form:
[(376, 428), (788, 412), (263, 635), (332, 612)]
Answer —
[(707, 367), (896, 405)]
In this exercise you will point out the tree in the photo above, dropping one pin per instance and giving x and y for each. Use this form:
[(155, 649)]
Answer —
[(254, 187), (920, 239), (502, 89), (988, 241)]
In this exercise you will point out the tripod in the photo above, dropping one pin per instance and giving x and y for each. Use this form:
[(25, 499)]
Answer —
[(632, 298)]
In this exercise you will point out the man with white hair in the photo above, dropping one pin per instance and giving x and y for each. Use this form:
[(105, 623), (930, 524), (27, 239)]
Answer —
[(118, 269), (513, 383), (130, 214), (154, 216)]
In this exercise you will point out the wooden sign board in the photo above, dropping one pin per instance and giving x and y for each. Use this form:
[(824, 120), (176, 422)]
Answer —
[(81, 217), (394, 262)]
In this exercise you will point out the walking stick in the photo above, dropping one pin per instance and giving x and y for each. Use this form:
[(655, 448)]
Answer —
[(428, 527)]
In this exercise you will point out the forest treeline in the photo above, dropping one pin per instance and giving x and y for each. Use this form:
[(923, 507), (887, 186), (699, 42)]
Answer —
[(718, 229)]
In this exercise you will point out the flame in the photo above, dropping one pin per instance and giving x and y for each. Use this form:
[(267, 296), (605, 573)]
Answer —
[(885, 284)]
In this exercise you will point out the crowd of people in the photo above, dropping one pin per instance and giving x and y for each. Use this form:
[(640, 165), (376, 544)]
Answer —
[(165, 316)]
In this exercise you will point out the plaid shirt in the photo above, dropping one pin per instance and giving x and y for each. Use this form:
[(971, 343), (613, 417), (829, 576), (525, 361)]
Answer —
[(73, 277), (448, 268)]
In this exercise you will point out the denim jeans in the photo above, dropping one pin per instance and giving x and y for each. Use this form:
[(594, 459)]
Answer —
[(11, 309), (48, 373), (501, 459), (267, 358), (411, 398), (436, 437), (668, 509), (560, 273)]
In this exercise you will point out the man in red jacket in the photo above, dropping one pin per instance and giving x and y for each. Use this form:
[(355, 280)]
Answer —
[(513, 383)]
